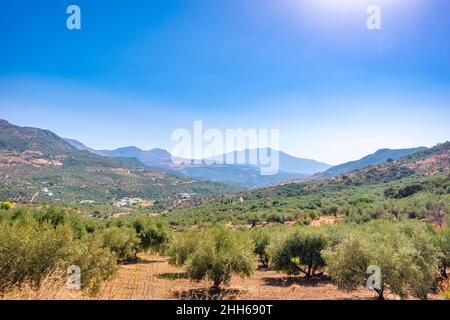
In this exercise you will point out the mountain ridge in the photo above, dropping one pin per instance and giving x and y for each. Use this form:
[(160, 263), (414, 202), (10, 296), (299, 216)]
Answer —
[(242, 175), (378, 157)]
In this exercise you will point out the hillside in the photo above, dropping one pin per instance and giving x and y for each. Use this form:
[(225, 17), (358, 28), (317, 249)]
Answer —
[(417, 178), (426, 162), (236, 175), (38, 166), (378, 157)]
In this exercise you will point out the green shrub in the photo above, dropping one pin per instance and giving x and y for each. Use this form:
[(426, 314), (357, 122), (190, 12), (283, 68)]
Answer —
[(59, 216), (261, 241), (30, 251), (96, 262), (330, 211), (275, 217), (123, 242), (181, 247), (361, 199), (403, 251), (358, 214), (299, 253), (347, 262), (437, 213), (152, 235), (403, 191), (6, 205), (215, 255)]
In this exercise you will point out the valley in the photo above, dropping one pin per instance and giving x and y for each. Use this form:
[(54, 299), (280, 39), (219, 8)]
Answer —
[(143, 232)]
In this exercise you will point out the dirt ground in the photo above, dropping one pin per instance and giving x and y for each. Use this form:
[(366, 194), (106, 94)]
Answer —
[(154, 278)]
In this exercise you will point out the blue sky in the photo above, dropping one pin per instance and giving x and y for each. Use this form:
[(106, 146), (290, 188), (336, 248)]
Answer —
[(140, 69)]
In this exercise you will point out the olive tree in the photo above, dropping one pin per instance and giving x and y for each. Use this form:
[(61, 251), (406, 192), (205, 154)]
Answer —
[(215, 255), (437, 213), (299, 253), (123, 242), (181, 246), (404, 253), (152, 235), (30, 251), (97, 263), (261, 241)]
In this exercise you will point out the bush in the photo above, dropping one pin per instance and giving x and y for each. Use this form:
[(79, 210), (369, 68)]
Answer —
[(151, 235), (347, 262), (217, 256), (299, 253), (123, 242), (96, 262), (330, 211), (404, 253), (181, 247), (437, 213), (275, 217), (30, 251), (58, 216), (402, 192), (442, 241), (6, 205)]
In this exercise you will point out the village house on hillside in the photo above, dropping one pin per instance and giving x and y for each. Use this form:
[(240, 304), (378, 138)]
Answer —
[(127, 202)]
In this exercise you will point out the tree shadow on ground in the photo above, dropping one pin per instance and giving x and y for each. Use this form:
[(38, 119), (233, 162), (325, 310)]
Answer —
[(173, 275), (153, 261), (208, 294), (300, 281)]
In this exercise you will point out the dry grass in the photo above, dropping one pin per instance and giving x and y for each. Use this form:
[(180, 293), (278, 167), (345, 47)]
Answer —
[(53, 287)]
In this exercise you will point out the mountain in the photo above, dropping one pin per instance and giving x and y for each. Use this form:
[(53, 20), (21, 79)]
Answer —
[(287, 163), (14, 138), (153, 158), (78, 145), (427, 162), (38, 166), (236, 175), (378, 157), (242, 175)]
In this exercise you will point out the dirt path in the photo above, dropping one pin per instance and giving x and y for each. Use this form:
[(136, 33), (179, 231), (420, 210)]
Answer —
[(34, 196)]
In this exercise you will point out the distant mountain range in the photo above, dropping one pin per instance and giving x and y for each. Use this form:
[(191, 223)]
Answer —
[(291, 168), (43, 156), (244, 175)]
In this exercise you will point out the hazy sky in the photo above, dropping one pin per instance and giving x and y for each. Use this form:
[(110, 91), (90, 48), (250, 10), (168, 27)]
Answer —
[(140, 69)]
